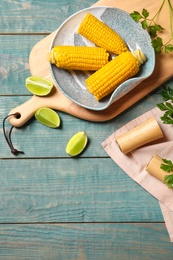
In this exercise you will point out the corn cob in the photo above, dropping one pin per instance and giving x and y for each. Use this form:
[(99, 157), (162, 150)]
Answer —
[(105, 80), (102, 35), (78, 57)]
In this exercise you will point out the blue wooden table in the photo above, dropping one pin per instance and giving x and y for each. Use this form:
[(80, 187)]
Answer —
[(53, 206)]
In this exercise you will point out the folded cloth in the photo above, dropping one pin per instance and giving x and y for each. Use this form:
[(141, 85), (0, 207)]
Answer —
[(134, 163)]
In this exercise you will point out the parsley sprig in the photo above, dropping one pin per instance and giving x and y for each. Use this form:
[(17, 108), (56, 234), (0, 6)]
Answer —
[(167, 166), (167, 93), (153, 28), (167, 106), (167, 118)]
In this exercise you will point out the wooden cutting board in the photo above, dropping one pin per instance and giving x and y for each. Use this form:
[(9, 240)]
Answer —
[(39, 66)]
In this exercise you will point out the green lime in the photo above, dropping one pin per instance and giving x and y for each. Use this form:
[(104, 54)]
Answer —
[(48, 117), (38, 86), (77, 144)]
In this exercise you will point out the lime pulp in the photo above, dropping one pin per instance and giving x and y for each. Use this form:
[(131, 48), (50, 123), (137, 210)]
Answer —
[(38, 86), (77, 144), (48, 117)]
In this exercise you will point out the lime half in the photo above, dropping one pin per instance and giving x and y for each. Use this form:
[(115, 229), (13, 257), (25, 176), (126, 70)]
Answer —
[(38, 86), (48, 117), (77, 144)]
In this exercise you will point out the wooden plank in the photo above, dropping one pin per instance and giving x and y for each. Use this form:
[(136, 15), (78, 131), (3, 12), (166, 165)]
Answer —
[(85, 242), (72, 190), (38, 140), (14, 67), (28, 17)]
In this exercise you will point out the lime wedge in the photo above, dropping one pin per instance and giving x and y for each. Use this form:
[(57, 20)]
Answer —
[(38, 86), (48, 117), (77, 144)]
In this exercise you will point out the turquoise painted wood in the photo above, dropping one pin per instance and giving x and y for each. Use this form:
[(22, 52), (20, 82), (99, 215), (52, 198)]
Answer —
[(85, 241), (14, 66), (37, 140), (53, 206), (59, 190), (37, 16)]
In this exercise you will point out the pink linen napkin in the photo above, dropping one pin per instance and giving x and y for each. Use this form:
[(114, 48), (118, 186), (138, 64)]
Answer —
[(135, 162)]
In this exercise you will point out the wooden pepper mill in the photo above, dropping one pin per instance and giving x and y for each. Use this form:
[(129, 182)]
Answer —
[(142, 134)]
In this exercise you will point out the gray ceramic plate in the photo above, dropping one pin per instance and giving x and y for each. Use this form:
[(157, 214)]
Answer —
[(72, 83)]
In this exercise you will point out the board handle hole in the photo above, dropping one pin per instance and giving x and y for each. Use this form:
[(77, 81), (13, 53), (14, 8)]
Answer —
[(18, 115)]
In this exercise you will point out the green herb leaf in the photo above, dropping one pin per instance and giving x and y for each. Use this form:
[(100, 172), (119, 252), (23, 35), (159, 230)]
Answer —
[(145, 13), (169, 106), (168, 113), (159, 28), (157, 44), (162, 106), (168, 166), (168, 48), (167, 118), (144, 24), (136, 16), (152, 31), (167, 93), (169, 180)]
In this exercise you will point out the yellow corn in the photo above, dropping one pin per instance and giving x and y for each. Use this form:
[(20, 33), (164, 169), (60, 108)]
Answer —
[(102, 35), (105, 80), (78, 57)]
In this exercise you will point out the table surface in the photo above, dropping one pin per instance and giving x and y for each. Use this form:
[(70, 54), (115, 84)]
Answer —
[(53, 206)]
